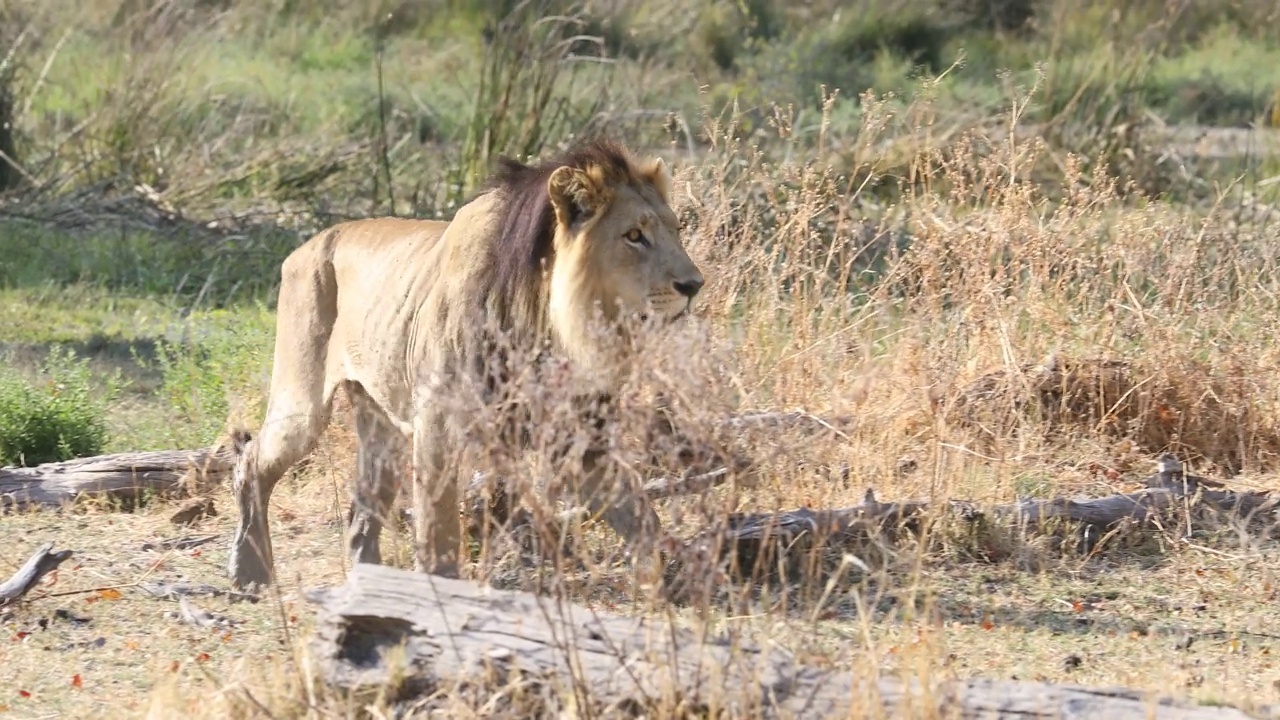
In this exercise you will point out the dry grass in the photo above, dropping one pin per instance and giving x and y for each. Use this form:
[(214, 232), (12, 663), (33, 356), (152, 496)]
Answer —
[(824, 296), (996, 276)]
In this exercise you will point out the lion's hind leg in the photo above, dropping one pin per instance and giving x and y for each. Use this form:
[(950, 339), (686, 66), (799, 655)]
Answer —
[(299, 405), (378, 477), (289, 433)]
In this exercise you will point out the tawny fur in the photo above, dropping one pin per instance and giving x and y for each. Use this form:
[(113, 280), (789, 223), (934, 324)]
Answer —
[(397, 310)]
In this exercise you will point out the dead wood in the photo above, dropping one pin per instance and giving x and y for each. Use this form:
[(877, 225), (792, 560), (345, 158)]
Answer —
[(174, 591), (189, 613), (44, 561), (794, 419), (752, 537), (122, 475), (426, 639), (180, 543)]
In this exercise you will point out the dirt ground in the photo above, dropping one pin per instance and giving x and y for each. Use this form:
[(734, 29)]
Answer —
[(1183, 618)]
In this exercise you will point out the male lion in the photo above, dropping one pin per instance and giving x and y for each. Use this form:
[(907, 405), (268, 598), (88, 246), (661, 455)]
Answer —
[(396, 310)]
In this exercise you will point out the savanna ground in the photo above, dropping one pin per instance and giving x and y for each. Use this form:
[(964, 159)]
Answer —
[(992, 181)]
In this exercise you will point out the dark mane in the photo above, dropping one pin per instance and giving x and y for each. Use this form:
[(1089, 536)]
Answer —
[(528, 220)]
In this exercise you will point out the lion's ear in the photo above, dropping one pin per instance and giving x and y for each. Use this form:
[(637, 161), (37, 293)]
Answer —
[(660, 176), (575, 194)]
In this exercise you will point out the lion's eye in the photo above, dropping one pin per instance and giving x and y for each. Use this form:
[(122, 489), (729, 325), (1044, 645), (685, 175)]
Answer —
[(636, 237)]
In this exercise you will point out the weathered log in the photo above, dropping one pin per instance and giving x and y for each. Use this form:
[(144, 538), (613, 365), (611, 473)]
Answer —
[(411, 635), (1109, 510), (44, 561), (121, 475), (755, 540)]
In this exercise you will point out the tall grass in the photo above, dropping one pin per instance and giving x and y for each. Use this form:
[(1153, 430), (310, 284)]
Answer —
[(528, 90), (996, 272), (869, 256)]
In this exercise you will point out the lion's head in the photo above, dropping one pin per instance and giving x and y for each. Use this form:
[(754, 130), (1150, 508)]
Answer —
[(591, 235)]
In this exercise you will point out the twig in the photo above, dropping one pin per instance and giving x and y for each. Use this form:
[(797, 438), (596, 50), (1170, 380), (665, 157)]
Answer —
[(37, 566), (664, 487), (183, 543), (100, 588), (1219, 553)]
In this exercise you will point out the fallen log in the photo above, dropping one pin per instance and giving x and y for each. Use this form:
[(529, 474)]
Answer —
[(756, 539), (44, 561), (121, 475), (427, 640)]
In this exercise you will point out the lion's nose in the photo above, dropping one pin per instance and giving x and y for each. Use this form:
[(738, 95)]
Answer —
[(689, 288)]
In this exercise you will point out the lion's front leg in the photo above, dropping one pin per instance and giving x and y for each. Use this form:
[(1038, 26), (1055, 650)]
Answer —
[(377, 478), (628, 512), (437, 529)]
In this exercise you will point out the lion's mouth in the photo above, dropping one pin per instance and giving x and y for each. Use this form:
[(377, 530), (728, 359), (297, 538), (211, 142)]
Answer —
[(684, 312)]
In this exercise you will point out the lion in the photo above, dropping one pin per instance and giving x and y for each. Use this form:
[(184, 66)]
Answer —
[(396, 311)]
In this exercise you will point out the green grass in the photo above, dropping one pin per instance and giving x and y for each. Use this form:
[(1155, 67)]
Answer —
[(181, 374), (181, 264), (1224, 79), (56, 415)]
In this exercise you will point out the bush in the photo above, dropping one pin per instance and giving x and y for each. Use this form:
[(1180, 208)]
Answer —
[(881, 48), (58, 416)]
